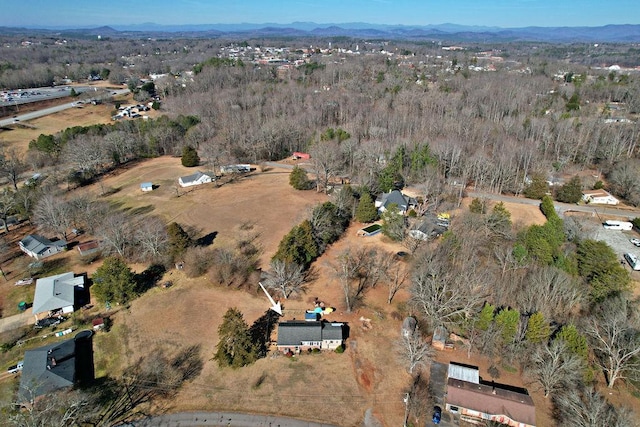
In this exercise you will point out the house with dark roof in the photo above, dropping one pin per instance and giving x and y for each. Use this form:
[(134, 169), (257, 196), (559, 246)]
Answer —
[(305, 335), (194, 179), (57, 366), (404, 202), (57, 293), (40, 247), (475, 400)]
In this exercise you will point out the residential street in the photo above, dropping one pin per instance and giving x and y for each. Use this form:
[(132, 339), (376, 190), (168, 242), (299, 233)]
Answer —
[(224, 419)]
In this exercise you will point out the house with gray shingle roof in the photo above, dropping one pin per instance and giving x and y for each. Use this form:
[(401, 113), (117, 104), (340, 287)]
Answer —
[(56, 366), (300, 335), (57, 293), (40, 247), (194, 179), (404, 202)]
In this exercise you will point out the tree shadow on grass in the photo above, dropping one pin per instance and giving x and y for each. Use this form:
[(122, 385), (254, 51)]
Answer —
[(261, 331), (207, 239), (141, 210), (149, 278)]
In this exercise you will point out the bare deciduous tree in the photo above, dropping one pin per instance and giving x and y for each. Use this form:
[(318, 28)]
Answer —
[(445, 294), (586, 408), (151, 235), (414, 351), (614, 333), (550, 291), (11, 166), (115, 231), (58, 408), (396, 280), (53, 214), (326, 160), (285, 277), (359, 270), (554, 367)]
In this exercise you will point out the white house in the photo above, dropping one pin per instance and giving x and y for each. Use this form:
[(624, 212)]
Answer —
[(599, 197), (40, 247), (195, 179)]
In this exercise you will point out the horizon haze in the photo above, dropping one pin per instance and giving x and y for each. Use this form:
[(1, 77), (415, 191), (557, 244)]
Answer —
[(63, 14)]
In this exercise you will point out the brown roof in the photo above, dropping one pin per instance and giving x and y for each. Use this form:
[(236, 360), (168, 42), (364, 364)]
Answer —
[(491, 400)]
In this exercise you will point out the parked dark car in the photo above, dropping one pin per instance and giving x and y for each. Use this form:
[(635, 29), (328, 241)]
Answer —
[(48, 321), (437, 415)]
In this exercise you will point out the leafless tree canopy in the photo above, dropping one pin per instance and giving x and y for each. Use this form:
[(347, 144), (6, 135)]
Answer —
[(614, 332)]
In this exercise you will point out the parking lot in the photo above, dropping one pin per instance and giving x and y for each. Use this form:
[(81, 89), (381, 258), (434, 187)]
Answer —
[(619, 241)]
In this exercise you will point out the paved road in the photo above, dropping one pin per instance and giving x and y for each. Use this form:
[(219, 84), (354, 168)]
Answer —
[(46, 111), (228, 419), (626, 212)]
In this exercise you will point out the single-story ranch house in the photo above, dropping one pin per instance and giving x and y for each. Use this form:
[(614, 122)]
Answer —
[(40, 247), (56, 366), (300, 335), (194, 179), (57, 293), (600, 197), (477, 401)]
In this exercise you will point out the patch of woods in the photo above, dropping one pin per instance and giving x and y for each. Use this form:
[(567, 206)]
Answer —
[(547, 300)]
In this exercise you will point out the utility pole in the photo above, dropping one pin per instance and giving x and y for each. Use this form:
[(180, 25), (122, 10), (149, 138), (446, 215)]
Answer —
[(406, 409)]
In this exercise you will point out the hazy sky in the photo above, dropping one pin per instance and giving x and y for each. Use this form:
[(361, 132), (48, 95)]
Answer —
[(501, 13)]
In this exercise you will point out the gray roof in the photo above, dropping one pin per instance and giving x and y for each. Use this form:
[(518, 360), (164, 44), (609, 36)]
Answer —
[(466, 373), (56, 366), (395, 196), (38, 244), (192, 178), (332, 331), (37, 379), (55, 292), (295, 332)]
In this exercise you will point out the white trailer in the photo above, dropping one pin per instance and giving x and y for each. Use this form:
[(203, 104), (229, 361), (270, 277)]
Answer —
[(617, 225)]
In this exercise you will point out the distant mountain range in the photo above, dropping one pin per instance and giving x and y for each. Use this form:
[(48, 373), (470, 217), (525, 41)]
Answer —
[(359, 30)]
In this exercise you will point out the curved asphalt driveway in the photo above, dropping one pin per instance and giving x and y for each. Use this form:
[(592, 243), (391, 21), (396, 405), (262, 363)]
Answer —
[(223, 419)]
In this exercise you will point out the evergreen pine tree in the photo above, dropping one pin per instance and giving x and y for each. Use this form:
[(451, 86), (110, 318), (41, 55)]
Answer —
[(366, 210), (235, 347), (190, 157)]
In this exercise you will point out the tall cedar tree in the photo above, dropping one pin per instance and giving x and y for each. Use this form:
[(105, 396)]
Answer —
[(114, 281), (298, 246), (537, 188), (366, 210), (235, 347), (571, 192), (393, 223), (190, 157), (599, 266), (179, 240), (298, 179)]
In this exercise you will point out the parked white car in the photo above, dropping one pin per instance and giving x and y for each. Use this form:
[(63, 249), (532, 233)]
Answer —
[(635, 241)]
